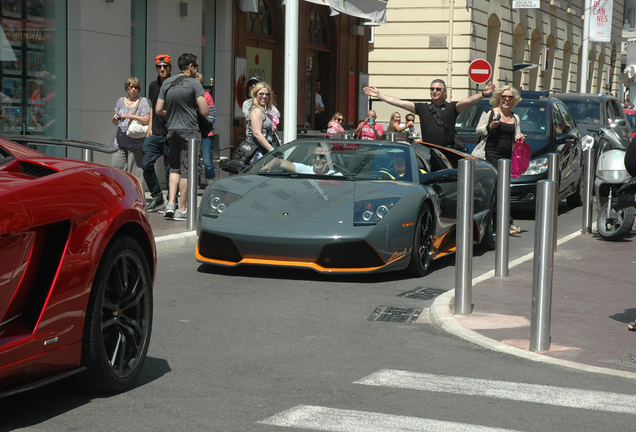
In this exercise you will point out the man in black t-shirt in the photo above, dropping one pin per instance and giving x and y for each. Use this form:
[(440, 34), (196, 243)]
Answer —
[(155, 143), (437, 118)]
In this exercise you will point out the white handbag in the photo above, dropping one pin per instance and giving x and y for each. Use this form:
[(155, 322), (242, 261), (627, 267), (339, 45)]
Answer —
[(480, 150), (136, 129)]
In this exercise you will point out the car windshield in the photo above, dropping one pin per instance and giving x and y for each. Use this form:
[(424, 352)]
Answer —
[(533, 117), (355, 160), (585, 111)]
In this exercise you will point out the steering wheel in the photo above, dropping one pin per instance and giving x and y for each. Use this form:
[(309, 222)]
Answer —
[(384, 174)]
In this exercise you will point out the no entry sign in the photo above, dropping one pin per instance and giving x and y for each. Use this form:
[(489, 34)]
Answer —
[(479, 71)]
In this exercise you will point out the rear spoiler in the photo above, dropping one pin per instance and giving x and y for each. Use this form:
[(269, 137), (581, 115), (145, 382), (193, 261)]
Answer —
[(61, 142)]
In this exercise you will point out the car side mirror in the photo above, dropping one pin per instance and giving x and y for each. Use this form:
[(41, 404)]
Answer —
[(619, 122)]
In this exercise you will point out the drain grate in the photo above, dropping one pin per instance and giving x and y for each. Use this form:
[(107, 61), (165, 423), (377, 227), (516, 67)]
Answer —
[(629, 361), (423, 293), (394, 314)]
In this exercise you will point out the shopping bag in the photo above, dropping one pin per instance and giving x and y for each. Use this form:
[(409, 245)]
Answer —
[(521, 154)]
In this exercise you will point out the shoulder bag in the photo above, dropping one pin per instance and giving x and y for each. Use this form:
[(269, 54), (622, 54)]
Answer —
[(135, 128), (480, 150)]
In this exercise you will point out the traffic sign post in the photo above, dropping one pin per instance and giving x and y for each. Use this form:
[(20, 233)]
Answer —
[(479, 71)]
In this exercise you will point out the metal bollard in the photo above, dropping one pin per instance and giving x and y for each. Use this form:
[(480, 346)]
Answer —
[(464, 237), (346, 136), (87, 155), (502, 251), (553, 174), (391, 136), (588, 188), (543, 266), (193, 171)]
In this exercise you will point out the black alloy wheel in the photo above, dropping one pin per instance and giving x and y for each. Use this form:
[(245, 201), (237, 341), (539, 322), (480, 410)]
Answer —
[(118, 317), (422, 253)]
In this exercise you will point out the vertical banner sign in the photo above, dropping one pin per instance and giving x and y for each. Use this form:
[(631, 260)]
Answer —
[(351, 101), (601, 22), (240, 78)]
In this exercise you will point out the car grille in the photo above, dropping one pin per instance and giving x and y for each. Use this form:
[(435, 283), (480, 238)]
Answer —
[(217, 247), (349, 255)]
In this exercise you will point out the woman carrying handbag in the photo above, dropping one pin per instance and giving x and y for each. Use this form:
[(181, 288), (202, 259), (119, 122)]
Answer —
[(501, 126), (128, 110)]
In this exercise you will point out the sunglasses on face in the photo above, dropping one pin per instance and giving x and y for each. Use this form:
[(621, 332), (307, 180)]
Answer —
[(163, 67), (436, 89), (320, 157), (340, 119), (507, 97), (134, 88), (263, 94)]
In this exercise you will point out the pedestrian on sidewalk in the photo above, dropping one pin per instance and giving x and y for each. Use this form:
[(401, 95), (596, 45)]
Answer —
[(437, 119), (155, 143), (179, 99), (369, 129), (207, 143), (502, 128)]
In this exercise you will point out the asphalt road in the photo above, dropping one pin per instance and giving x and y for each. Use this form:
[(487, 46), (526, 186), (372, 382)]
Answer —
[(260, 349)]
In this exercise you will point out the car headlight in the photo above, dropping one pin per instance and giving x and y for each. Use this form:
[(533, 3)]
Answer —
[(217, 202), (370, 212), (537, 166), (587, 142)]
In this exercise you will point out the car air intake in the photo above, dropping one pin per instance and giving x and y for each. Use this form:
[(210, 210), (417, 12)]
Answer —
[(349, 255), (217, 247), (35, 170)]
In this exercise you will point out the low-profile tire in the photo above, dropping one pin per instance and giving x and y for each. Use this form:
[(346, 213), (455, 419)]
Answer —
[(422, 253), (619, 228), (576, 199), (118, 317), (489, 242)]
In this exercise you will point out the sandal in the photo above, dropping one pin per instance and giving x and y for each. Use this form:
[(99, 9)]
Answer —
[(514, 230), (632, 326)]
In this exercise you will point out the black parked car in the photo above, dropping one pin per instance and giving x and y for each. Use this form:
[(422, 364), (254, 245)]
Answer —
[(549, 128), (593, 111)]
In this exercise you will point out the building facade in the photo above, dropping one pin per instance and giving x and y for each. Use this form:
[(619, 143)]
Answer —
[(64, 63), (533, 49)]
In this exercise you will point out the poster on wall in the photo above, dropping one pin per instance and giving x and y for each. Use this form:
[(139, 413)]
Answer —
[(601, 22), (259, 63), (240, 77), (363, 99)]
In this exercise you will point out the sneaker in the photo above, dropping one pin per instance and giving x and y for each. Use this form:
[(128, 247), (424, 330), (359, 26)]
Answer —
[(170, 208), (180, 216), (155, 202), (514, 229)]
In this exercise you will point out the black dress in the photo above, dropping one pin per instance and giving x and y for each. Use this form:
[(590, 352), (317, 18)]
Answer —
[(500, 143)]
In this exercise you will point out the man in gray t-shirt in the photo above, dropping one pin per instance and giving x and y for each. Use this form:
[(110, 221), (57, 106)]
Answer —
[(179, 99)]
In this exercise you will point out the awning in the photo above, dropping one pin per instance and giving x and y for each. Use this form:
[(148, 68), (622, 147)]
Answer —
[(374, 10)]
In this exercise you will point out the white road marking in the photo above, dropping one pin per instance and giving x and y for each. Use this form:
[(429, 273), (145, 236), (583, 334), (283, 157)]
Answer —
[(341, 420), (550, 395)]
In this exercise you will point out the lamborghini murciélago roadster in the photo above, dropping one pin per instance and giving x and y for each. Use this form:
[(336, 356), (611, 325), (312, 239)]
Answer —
[(77, 263), (343, 206)]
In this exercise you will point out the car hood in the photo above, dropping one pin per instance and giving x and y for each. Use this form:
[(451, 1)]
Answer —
[(302, 199)]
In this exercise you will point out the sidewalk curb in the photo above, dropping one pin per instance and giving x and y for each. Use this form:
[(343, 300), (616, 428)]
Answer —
[(164, 243), (442, 316)]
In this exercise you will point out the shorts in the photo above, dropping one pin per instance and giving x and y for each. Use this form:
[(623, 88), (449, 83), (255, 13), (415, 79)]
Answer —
[(177, 141)]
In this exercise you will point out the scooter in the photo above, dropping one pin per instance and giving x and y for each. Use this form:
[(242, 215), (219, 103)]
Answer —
[(613, 223)]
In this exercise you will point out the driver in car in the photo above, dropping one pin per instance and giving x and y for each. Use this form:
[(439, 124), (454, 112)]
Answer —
[(320, 164)]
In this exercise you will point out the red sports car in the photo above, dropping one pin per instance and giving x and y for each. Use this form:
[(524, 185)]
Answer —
[(77, 264)]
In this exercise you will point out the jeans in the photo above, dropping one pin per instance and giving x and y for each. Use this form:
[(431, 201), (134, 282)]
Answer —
[(154, 147), (207, 145)]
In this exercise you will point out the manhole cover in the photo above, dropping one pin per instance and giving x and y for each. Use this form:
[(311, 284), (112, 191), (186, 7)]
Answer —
[(629, 361), (394, 314), (423, 293)]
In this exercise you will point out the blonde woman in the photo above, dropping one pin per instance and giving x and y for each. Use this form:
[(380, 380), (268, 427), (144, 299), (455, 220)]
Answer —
[(502, 127), (259, 124), (335, 124), (394, 123)]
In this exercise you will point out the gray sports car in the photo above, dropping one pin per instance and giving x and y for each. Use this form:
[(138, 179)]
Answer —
[(343, 206)]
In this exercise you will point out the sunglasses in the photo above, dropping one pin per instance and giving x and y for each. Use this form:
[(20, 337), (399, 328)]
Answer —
[(438, 89), (340, 119), (196, 65), (320, 157), (507, 97), (163, 67), (134, 87), (263, 94)]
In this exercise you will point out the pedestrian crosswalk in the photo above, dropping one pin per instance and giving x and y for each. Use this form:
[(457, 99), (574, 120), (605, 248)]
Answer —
[(336, 419)]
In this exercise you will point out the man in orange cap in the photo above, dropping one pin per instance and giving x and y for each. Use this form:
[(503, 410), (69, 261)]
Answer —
[(155, 143)]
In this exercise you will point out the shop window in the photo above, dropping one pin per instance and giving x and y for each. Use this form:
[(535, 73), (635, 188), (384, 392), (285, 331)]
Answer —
[(33, 67), (260, 22), (317, 32)]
